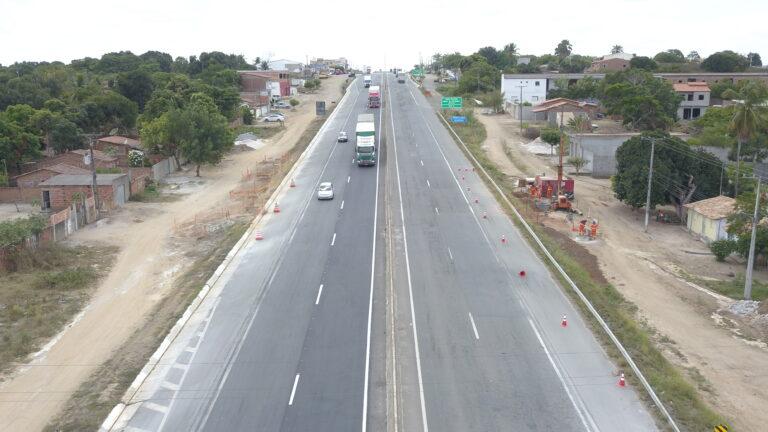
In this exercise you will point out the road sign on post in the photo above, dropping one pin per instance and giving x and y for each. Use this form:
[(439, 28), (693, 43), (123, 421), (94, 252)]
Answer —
[(458, 119), (451, 103), (320, 108)]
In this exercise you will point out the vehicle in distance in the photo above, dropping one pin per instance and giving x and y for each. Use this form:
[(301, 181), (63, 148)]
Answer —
[(367, 80), (274, 117), (351, 74), (342, 137), (325, 191), (365, 140), (401, 80), (281, 105)]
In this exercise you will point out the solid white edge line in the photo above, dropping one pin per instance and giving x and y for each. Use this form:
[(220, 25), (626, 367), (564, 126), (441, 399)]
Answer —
[(474, 327), (333, 240), (559, 375), (437, 211), (408, 272), (429, 185), (370, 295), (342, 205), (450, 254), (349, 178), (319, 293), (293, 392), (422, 162)]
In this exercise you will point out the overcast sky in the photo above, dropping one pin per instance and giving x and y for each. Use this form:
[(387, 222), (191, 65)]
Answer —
[(381, 34)]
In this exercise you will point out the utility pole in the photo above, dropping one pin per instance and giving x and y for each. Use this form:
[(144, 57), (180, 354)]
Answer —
[(650, 176), (521, 107), (94, 186), (722, 169), (738, 168), (751, 259)]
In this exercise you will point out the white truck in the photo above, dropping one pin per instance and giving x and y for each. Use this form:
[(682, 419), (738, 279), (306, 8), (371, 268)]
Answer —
[(367, 80), (374, 97), (365, 140)]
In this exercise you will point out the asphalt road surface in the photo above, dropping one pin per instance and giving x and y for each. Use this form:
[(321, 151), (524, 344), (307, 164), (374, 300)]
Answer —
[(393, 307)]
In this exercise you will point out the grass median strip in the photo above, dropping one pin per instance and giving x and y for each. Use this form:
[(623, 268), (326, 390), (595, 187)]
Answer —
[(677, 393)]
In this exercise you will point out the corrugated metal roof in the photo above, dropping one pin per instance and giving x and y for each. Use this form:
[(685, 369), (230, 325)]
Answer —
[(116, 139), (81, 179), (718, 207)]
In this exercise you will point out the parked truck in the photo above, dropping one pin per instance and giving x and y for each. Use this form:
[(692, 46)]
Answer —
[(367, 81), (374, 97), (365, 140)]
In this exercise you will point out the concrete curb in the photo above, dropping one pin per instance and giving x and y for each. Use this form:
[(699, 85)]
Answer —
[(116, 412), (572, 284)]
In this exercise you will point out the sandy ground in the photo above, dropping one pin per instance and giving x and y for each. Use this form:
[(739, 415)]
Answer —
[(644, 267), (152, 254)]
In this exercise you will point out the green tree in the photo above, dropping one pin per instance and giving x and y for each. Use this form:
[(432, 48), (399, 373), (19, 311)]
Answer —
[(748, 114), (577, 163), (670, 56), (725, 61), (693, 57), (136, 85), (616, 49), (563, 49), (480, 77), (754, 60), (494, 100), (208, 137), (643, 63), (679, 172), (294, 102), (644, 101), (551, 137), (107, 111), (247, 115), (17, 145)]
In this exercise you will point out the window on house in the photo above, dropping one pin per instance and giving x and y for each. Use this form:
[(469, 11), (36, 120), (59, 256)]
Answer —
[(701, 97), (686, 114), (695, 113), (690, 96), (537, 83)]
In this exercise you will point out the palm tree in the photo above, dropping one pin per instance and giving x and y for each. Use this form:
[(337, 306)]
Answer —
[(747, 116), (617, 49)]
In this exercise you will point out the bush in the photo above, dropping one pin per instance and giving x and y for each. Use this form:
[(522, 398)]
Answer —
[(137, 159), (247, 116), (722, 249), (293, 102), (577, 163), (68, 279), (531, 133), (550, 136)]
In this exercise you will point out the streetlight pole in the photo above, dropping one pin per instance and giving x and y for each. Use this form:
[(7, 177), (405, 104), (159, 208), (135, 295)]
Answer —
[(751, 259), (648, 196), (520, 102)]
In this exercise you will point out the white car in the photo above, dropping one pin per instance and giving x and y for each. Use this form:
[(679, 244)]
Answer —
[(342, 137), (325, 191), (274, 117)]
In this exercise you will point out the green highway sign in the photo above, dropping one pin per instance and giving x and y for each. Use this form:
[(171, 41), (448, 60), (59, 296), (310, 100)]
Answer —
[(451, 102)]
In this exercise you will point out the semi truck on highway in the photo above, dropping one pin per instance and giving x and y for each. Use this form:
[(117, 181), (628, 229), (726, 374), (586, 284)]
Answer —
[(367, 80), (365, 140), (374, 97)]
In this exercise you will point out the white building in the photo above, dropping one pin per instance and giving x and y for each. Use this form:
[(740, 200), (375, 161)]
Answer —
[(534, 88), (695, 99), (286, 65)]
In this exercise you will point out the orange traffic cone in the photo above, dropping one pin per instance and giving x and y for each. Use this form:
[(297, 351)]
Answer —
[(259, 235), (564, 322), (622, 381), (277, 208)]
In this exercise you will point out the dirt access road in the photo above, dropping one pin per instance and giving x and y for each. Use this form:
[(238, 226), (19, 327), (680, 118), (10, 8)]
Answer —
[(645, 269), (153, 239)]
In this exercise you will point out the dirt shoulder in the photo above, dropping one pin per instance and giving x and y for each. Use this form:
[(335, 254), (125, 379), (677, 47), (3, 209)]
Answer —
[(158, 242), (695, 329)]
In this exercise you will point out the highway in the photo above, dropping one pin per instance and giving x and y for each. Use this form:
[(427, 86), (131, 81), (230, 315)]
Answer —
[(393, 307)]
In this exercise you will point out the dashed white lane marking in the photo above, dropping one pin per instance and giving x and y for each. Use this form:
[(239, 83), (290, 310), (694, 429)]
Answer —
[(474, 327), (353, 160), (319, 292), (155, 407), (422, 162), (333, 240), (450, 254), (429, 185), (437, 211), (293, 392), (349, 178), (342, 205), (170, 386)]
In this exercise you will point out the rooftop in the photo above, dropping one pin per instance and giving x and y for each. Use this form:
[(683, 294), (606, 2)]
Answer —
[(97, 154), (121, 140), (59, 168), (691, 87), (81, 180), (718, 207)]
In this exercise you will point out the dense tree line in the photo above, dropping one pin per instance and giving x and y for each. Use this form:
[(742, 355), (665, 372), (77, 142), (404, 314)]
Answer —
[(52, 105)]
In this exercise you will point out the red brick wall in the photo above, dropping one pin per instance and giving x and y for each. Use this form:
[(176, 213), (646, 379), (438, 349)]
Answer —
[(119, 149), (61, 196), (72, 159), (14, 194)]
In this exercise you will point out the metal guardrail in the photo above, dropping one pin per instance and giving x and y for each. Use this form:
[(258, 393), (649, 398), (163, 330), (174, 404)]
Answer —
[(573, 285)]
